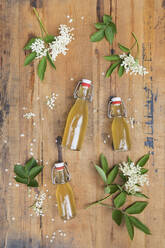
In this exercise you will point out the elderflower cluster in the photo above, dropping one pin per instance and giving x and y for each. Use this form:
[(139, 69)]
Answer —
[(38, 206), (135, 178), (29, 115), (55, 47), (131, 65), (39, 47), (60, 42)]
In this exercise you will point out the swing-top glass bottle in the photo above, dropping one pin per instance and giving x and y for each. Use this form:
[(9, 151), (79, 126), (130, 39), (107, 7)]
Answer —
[(119, 129), (77, 120), (64, 193)]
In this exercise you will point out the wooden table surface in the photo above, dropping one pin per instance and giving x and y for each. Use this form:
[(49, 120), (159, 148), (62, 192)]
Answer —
[(20, 88)]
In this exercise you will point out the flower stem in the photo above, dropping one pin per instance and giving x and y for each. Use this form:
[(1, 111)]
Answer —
[(98, 202), (43, 29), (137, 43)]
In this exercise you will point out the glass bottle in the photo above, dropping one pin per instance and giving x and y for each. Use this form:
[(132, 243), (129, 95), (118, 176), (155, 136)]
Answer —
[(77, 120), (120, 131), (64, 193)]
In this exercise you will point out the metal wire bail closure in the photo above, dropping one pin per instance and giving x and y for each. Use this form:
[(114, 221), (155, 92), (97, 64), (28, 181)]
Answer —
[(66, 171), (90, 95), (109, 108)]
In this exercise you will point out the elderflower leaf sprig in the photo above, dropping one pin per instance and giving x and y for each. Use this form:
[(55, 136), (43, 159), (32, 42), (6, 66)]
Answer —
[(106, 29), (133, 176), (47, 47), (26, 174), (126, 62)]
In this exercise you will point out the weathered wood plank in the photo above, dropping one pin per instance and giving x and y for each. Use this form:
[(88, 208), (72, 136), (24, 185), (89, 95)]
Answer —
[(20, 87)]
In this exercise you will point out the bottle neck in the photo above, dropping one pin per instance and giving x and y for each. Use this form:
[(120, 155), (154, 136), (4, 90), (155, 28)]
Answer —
[(117, 111), (60, 177), (83, 92)]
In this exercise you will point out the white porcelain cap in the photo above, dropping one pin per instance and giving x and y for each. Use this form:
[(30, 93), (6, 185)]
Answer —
[(116, 99), (59, 165), (86, 81)]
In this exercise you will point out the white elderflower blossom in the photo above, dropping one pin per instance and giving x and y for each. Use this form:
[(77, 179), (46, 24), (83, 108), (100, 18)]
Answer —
[(60, 42), (39, 47), (135, 178), (131, 65)]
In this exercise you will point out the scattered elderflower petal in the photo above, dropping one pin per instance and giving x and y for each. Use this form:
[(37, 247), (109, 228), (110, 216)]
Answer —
[(135, 178), (131, 65), (82, 17), (38, 205), (6, 170), (10, 184), (13, 218), (71, 79), (22, 135), (29, 115), (53, 219), (47, 236), (17, 185), (51, 101)]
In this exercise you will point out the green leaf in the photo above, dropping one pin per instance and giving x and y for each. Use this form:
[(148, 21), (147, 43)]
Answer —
[(120, 200), (20, 171), (138, 224), (107, 19), (97, 36), (30, 164), (113, 174), (50, 60), (136, 207), (123, 48), (129, 226), (30, 58), (138, 194), (104, 163), (21, 180), (112, 57), (113, 27), (100, 25), (142, 161), (109, 34), (117, 216), (42, 68), (49, 38), (111, 68), (33, 183), (35, 171), (110, 189), (28, 45), (101, 173), (121, 71), (143, 171)]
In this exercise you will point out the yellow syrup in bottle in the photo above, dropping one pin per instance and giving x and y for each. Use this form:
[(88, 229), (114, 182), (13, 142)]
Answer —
[(120, 131), (64, 194), (65, 201), (77, 120)]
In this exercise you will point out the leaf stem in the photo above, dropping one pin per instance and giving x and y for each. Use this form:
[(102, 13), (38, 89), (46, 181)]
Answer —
[(98, 202), (40, 22), (108, 206)]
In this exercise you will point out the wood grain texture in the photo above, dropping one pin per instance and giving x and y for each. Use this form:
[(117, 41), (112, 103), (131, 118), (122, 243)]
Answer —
[(20, 87)]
